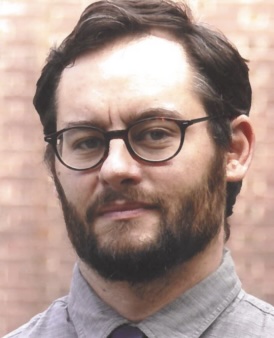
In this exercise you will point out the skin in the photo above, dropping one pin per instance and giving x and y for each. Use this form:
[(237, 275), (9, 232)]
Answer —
[(111, 88)]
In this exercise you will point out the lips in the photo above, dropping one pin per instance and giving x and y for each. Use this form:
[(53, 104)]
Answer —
[(122, 208)]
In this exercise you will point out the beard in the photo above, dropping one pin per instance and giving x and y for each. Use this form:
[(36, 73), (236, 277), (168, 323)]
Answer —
[(189, 221)]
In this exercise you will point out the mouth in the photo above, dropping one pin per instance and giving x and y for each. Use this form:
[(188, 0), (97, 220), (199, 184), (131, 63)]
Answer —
[(122, 209)]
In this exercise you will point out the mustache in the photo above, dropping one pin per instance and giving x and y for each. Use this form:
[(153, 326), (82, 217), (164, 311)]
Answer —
[(110, 196)]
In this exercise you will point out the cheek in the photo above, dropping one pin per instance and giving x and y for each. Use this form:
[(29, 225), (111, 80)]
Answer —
[(168, 183), (180, 174), (79, 187), (187, 170)]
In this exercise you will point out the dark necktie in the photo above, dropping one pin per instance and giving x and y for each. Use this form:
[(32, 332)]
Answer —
[(127, 331)]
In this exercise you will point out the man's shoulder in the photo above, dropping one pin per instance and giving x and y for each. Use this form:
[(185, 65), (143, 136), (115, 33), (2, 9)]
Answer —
[(249, 316), (258, 306), (261, 314), (46, 324)]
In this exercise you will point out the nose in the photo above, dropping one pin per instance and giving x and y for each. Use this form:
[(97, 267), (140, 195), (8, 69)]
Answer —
[(119, 169)]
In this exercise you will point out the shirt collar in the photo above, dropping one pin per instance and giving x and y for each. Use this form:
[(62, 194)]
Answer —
[(188, 316)]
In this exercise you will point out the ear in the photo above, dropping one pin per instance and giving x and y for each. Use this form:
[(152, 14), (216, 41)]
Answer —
[(241, 149)]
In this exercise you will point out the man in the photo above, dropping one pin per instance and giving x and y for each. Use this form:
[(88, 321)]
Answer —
[(146, 116)]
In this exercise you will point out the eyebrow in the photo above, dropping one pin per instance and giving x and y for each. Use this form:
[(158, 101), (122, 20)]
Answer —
[(89, 123), (156, 112), (130, 119)]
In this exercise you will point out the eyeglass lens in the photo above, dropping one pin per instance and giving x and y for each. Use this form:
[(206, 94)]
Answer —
[(155, 139), (152, 140)]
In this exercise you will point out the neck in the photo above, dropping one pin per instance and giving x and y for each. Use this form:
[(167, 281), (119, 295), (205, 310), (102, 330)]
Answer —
[(139, 301)]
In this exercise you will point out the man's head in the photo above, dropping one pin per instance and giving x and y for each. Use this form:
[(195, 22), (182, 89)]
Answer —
[(221, 74), (126, 61)]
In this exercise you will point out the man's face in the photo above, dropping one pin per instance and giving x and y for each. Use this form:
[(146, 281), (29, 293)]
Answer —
[(128, 219)]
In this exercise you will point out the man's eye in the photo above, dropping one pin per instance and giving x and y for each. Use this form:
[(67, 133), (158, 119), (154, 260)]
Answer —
[(90, 143), (157, 134)]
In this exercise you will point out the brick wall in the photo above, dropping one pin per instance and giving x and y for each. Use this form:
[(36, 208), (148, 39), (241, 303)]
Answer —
[(35, 256)]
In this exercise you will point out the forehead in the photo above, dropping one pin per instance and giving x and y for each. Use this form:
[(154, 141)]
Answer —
[(147, 70), (145, 55)]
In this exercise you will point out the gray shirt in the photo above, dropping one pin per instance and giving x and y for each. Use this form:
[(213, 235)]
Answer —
[(217, 307)]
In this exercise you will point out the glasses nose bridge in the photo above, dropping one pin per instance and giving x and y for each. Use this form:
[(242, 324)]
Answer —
[(116, 134)]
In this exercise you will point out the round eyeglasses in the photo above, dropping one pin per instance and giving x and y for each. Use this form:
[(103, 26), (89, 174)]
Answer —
[(154, 140)]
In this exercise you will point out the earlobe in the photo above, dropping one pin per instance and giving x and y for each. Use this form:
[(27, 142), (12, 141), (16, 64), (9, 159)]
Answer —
[(241, 148)]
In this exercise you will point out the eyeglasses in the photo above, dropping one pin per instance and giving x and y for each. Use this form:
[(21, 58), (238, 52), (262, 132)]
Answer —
[(154, 140)]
